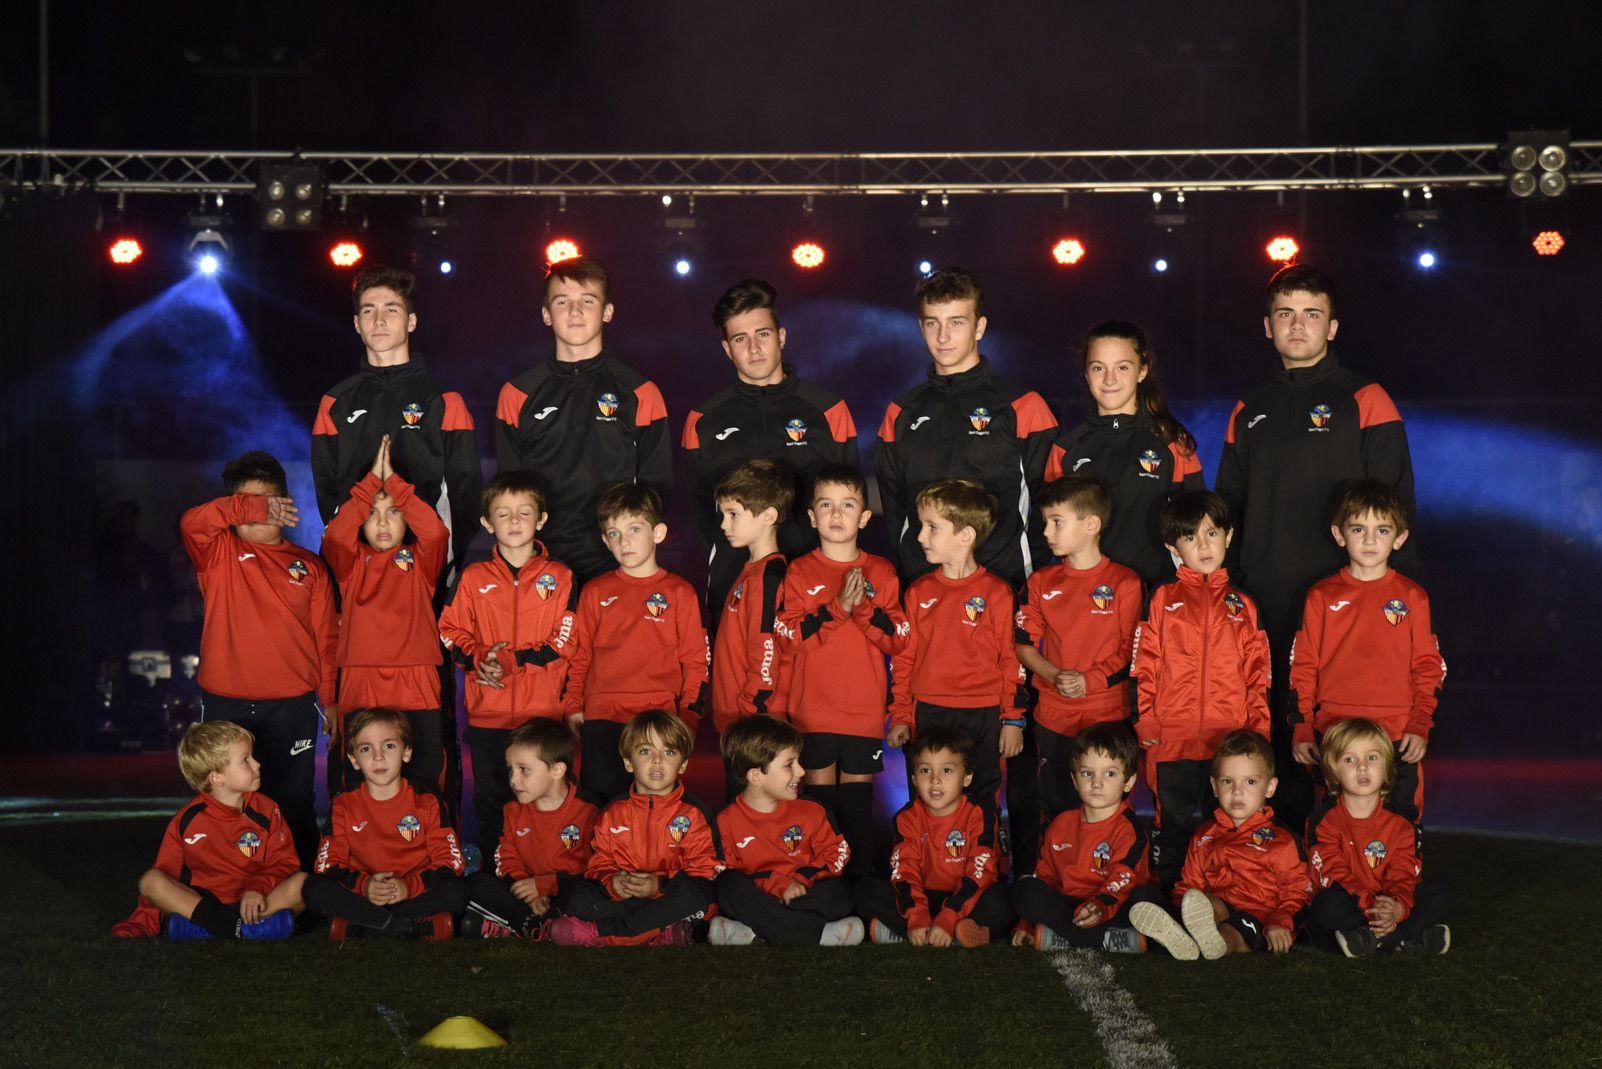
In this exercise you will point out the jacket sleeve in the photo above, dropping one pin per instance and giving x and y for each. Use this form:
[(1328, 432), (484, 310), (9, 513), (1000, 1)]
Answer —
[(1306, 653), (1231, 482), (906, 872), (800, 631), (1116, 667), (1123, 870), (1402, 869), (325, 460), (444, 854), (1194, 874), (1386, 457), (1147, 662), (653, 457), (1014, 697), (1037, 429), (333, 853), (979, 873), (1428, 671), (458, 626), (701, 852), (508, 413), (581, 650), (695, 655), (279, 860), (1187, 471), (902, 664), (464, 477), (763, 692), (1255, 671), (325, 630), (890, 469), (882, 619), (205, 527), (1326, 857), (170, 855), (342, 537), (827, 851), (425, 524), (551, 654), (697, 480), (1295, 890), (604, 859), (509, 863)]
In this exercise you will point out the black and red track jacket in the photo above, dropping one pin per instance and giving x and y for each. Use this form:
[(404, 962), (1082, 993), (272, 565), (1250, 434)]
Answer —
[(1141, 472), (270, 629), (1103, 860), (1083, 620), (1290, 450), (749, 670), (973, 425), (403, 836), (793, 422), (583, 426), (637, 644), (227, 850), (837, 659), (961, 649), (1258, 868), (433, 445), (796, 842), (955, 854), (1366, 648), (531, 610), (1202, 661), (388, 637), (658, 834), (1372, 856), (540, 846)]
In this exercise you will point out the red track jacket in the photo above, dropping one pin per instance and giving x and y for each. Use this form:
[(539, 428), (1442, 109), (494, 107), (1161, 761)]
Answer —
[(1085, 621), (402, 836), (541, 845), (1375, 856), (638, 644), (961, 650), (1258, 868), (954, 853)]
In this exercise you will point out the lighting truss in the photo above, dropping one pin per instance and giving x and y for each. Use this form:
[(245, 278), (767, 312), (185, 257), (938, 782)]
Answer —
[(788, 174)]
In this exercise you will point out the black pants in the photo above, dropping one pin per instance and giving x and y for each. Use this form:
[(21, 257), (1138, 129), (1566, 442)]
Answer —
[(1335, 909), (982, 726), (682, 898), (492, 785), (1057, 793), (1407, 797), (286, 731), (493, 895), (1039, 903), (876, 901), (326, 895), (1293, 798), (1024, 818), (428, 754), (1184, 794), (601, 770), (797, 923)]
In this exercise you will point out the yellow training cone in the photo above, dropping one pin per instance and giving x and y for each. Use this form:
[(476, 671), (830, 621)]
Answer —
[(461, 1033)]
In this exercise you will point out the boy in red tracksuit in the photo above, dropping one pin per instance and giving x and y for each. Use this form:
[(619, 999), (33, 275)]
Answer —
[(388, 638), (748, 668), (1245, 884), (841, 617), (1076, 632), (1093, 866), (267, 650), (785, 856), (638, 640), (1366, 647), (942, 887), (654, 853), (959, 667), (1364, 859), (508, 624), (390, 865), (1202, 661), (545, 838), (226, 868)]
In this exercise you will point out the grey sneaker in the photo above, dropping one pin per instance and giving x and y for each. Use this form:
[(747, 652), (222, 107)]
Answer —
[(1155, 922), (1197, 910), (727, 932), (1356, 942), (846, 932), (882, 935), (1050, 939), (1122, 941)]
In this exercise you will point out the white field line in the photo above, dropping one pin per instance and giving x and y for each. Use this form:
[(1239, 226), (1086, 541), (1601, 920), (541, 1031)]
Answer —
[(1127, 1035)]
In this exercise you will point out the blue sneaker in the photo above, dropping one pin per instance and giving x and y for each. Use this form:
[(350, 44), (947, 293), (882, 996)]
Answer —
[(280, 925), (182, 928)]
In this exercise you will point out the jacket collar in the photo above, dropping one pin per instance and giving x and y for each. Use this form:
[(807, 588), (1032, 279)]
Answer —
[(783, 388), (1306, 376), (979, 373)]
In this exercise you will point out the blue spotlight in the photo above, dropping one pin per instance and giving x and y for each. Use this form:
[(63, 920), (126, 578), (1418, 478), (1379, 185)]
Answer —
[(1159, 265), (208, 264), (208, 250), (681, 267), (446, 267), (925, 268), (1426, 259)]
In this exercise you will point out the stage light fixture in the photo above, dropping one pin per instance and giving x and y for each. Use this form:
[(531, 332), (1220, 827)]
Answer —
[(345, 254), (1536, 162), (289, 196), (809, 237), (808, 255), (345, 243), (935, 226), (123, 247), (1282, 249), (124, 251), (1418, 228), (1159, 266), (431, 243), (925, 268), (1169, 237), (1068, 251), (559, 249), (209, 248), (684, 246), (1548, 242)]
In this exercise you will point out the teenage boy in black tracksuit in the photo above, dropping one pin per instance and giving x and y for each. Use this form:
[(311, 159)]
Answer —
[(765, 413), (1290, 449), (582, 420)]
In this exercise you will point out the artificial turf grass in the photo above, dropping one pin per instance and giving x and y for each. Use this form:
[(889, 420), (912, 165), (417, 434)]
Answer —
[(1517, 988)]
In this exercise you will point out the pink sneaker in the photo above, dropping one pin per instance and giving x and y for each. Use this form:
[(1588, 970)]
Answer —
[(676, 934), (572, 932)]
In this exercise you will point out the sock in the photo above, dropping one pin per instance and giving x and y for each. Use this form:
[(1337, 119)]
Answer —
[(825, 794), (220, 920), (855, 813)]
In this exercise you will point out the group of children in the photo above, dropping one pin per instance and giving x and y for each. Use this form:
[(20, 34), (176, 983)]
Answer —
[(583, 704)]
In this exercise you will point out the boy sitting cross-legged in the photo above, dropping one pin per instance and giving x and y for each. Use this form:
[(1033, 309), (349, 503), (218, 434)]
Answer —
[(226, 868), (654, 853), (390, 865), (1245, 882), (784, 854), (1092, 865), (545, 838), (942, 887)]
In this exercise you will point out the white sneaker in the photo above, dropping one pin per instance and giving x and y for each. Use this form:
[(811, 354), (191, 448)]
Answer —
[(1197, 910), (1154, 922), (846, 932), (727, 932)]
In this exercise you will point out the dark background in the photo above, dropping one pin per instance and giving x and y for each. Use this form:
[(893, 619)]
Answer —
[(135, 386)]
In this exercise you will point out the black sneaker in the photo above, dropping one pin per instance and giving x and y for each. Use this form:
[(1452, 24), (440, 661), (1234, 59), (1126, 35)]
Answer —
[(1356, 942), (1436, 939)]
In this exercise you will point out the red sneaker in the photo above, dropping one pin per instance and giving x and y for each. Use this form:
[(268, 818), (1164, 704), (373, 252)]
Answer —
[(971, 934), (676, 934), (572, 932), (435, 928), (336, 929)]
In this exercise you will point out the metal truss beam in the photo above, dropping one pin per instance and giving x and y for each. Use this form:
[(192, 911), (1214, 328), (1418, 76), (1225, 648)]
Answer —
[(712, 174)]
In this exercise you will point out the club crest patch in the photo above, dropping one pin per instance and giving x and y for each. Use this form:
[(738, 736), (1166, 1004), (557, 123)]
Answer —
[(1150, 461), (792, 838), (607, 405), (404, 559), (1395, 611), (409, 826), (412, 414), (1102, 595), (569, 835), (679, 827), (868, 591), (974, 607), (298, 570), (545, 585), (980, 418), (1374, 852), (248, 842), (1320, 415), (956, 842), (1263, 836), (1234, 603), (796, 430), (1101, 855), (656, 604)]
